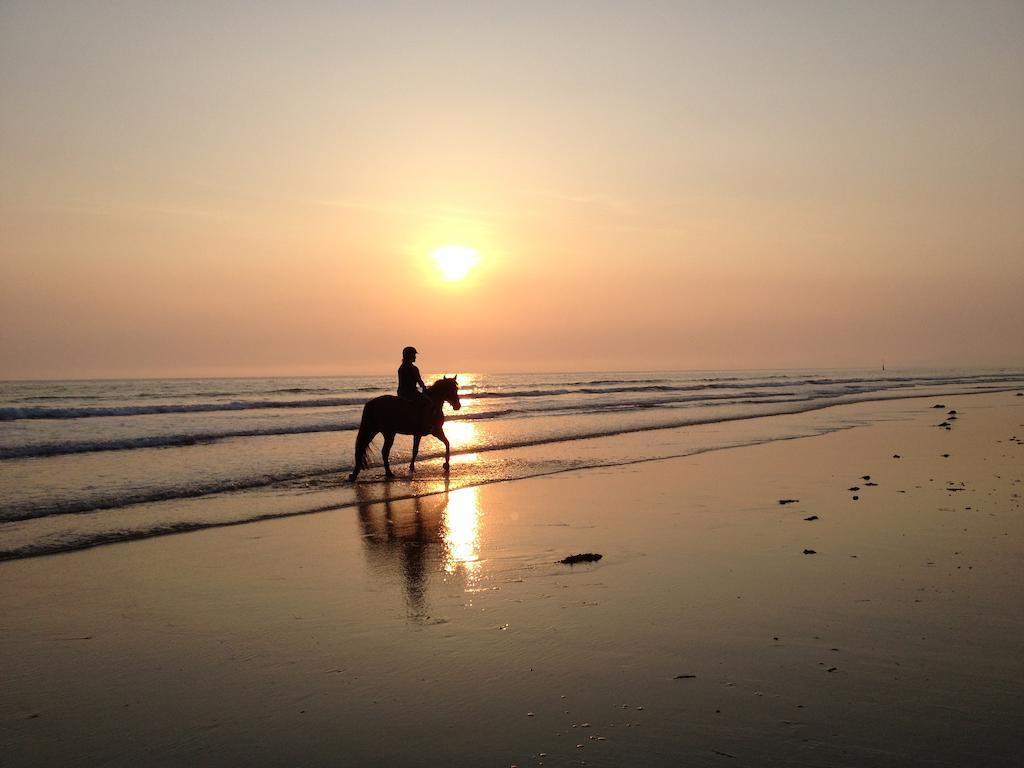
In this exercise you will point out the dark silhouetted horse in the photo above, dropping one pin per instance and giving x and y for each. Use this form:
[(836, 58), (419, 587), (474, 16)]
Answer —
[(390, 415)]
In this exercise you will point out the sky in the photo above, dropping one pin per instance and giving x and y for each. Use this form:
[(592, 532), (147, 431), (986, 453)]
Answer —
[(256, 188)]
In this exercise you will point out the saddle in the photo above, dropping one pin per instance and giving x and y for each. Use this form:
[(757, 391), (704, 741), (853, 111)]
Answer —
[(429, 414)]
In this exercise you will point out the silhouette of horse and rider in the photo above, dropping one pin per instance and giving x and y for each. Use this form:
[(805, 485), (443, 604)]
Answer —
[(416, 410)]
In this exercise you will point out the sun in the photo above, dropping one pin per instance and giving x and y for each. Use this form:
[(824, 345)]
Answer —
[(455, 261)]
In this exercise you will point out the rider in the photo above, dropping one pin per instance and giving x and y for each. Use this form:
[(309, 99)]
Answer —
[(411, 386)]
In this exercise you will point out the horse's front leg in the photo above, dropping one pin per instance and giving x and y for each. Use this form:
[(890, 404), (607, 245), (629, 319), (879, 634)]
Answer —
[(385, 452), (415, 451), (439, 434)]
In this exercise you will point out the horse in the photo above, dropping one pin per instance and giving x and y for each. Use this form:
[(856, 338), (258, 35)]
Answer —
[(390, 415)]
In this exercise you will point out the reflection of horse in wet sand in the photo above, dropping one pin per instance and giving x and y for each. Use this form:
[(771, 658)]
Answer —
[(390, 415), (403, 539)]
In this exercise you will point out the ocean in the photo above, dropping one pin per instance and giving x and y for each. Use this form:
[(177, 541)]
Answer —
[(84, 463)]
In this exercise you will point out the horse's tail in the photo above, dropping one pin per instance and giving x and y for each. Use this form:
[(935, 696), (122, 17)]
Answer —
[(363, 439)]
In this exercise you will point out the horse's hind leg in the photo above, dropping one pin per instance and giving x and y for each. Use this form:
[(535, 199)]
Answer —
[(385, 451), (416, 451)]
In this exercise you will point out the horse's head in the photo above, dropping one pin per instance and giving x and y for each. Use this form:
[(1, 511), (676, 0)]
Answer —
[(449, 390)]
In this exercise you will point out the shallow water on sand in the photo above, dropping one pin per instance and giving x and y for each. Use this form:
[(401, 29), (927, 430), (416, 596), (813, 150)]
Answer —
[(83, 463)]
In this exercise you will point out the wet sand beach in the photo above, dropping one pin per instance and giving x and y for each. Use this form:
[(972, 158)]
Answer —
[(875, 619)]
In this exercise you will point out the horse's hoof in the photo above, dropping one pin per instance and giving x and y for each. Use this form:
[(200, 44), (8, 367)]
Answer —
[(412, 469), (446, 467), (352, 477)]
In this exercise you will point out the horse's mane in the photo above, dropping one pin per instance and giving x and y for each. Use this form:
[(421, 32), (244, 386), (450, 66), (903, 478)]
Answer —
[(443, 382)]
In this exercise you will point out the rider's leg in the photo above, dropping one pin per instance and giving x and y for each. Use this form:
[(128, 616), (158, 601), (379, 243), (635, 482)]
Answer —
[(427, 419)]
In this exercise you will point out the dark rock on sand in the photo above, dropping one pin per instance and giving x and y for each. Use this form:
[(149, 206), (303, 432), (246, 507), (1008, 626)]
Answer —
[(585, 557), (853, 488), (788, 501), (812, 517), (945, 455), (684, 677), (810, 552), (856, 497), (943, 424), (896, 456), (940, 405), (865, 477), (952, 413)]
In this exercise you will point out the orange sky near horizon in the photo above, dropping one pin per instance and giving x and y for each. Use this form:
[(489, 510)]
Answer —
[(243, 190)]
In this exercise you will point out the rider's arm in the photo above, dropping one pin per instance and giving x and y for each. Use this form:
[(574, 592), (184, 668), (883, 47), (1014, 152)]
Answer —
[(419, 379)]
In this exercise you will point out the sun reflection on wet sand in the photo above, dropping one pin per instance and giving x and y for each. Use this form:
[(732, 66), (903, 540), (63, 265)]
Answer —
[(460, 534), (414, 541)]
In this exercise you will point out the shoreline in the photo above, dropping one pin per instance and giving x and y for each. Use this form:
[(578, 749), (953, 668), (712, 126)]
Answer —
[(440, 629), (335, 495)]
